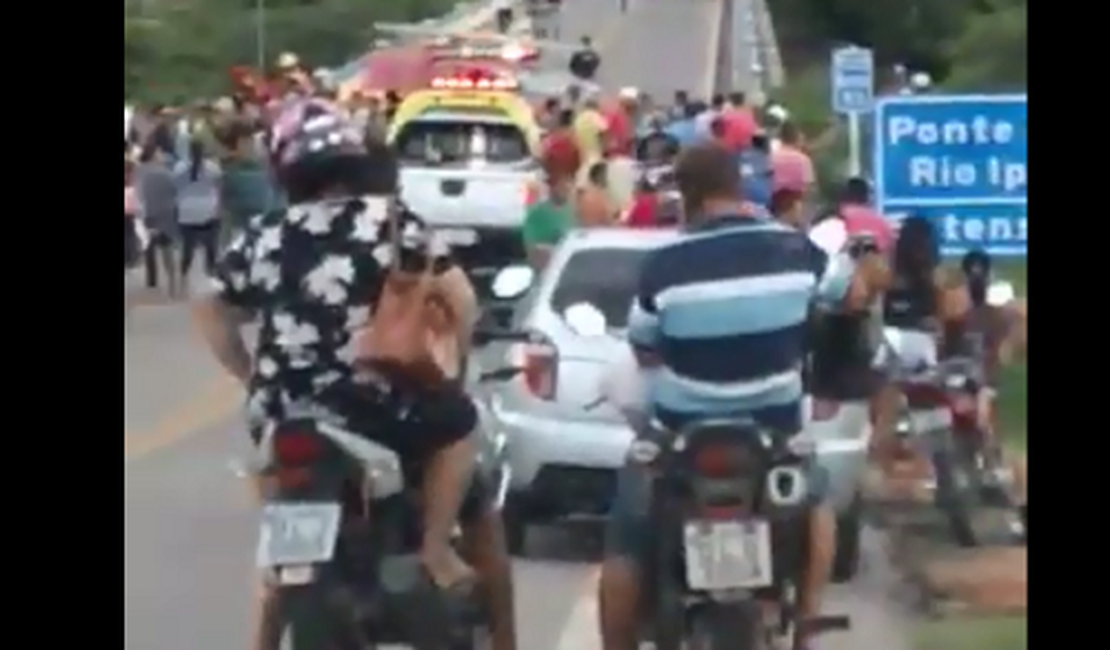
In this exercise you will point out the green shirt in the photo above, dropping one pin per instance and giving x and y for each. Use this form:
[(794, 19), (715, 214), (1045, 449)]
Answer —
[(546, 223)]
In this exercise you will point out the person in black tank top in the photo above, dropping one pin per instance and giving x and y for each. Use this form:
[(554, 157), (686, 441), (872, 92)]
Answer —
[(923, 298)]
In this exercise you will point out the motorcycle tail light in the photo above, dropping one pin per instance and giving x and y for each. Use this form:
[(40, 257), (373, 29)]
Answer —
[(723, 513), (716, 461), (294, 448), (963, 405), (925, 396)]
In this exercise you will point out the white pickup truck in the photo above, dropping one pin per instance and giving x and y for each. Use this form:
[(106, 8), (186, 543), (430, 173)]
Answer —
[(472, 176)]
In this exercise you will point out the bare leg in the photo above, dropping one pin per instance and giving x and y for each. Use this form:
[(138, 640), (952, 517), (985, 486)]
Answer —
[(618, 604), (885, 415), (169, 265), (448, 474), (265, 634), (822, 551), (484, 544)]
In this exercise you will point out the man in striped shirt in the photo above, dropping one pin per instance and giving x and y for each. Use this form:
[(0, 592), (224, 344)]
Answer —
[(721, 315)]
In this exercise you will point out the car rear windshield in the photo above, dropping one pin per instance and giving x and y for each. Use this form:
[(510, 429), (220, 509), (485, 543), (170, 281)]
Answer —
[(435, 143), (603, 277)]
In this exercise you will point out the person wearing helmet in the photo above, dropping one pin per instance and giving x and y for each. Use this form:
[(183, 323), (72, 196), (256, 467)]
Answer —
[(312, 275)]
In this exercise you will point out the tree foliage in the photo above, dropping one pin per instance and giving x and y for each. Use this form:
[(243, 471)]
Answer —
[(174, 49), (978, 44)]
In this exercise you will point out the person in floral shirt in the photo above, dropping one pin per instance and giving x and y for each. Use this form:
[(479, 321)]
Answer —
[(311, 275)]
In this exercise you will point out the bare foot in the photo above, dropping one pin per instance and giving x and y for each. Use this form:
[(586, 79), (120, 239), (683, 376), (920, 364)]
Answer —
[(446, 568)]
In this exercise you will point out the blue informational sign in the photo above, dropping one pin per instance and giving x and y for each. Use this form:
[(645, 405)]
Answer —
[(959, 160), (853, 80)]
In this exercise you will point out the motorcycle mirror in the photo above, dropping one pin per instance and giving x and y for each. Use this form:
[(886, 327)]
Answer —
[(511, 282), (585, 320), (1000, 294), (830, 236), (893, 338)]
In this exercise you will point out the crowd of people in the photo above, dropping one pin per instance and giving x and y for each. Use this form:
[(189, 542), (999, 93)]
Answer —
[(339, 272), (194, 174)]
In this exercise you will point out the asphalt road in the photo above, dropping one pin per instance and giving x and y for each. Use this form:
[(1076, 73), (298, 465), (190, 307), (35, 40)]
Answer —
[(189, 529)]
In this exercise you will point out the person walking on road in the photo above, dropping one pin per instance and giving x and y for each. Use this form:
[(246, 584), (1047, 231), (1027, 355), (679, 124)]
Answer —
[(198, 208), (157, 192), (246, 188)]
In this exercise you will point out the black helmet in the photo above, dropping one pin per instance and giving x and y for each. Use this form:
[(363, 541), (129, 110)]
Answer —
[(312, 130), (315, 149)]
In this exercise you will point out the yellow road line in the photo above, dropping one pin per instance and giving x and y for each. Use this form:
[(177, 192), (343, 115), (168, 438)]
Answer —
[(218, 401)]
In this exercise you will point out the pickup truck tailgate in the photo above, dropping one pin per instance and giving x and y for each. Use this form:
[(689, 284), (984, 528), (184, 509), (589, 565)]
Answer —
[(468, 197)]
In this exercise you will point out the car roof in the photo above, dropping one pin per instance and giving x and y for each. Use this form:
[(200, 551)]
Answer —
[(634, 238)]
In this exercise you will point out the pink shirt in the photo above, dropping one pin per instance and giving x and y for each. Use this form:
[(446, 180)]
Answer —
[(859, 219), (793, 169), (739, 127), (130, 204)]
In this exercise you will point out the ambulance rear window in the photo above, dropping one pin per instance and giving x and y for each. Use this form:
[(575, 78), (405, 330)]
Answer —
[(441, 142)]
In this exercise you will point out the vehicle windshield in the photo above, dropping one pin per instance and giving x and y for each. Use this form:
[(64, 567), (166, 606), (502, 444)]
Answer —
[(438, 143), (603, 277)]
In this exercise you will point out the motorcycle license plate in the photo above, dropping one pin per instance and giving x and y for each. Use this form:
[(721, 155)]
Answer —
[(297, 534), (727, 554), (930, 420)]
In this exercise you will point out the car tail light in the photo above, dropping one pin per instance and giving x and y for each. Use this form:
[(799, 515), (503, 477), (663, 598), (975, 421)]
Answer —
[(540, 362), (925, 396), (716, 461), (297, 448)]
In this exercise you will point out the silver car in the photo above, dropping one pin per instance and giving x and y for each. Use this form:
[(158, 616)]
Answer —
[(563, 456), (563, 451)]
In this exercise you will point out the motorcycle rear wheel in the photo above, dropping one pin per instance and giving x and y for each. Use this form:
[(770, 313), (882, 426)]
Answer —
[(727, 626), (958, 490)]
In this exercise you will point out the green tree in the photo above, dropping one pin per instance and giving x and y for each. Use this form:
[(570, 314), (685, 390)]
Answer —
[(176, 50)]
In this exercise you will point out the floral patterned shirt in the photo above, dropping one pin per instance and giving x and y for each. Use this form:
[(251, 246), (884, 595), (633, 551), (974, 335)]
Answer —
[(311, 275)]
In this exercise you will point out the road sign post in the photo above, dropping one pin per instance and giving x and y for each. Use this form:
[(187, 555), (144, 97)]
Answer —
[(853, 94), (961, 161)]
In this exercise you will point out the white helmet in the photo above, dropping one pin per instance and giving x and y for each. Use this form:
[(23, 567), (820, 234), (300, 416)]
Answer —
[(778, 113), (921, 81), (629, 93)]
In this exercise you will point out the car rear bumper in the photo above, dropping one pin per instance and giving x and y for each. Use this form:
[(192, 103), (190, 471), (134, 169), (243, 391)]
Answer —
[(569, 466)]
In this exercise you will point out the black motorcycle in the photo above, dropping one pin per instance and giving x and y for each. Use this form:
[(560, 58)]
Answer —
[(729, 508), (339, 544)]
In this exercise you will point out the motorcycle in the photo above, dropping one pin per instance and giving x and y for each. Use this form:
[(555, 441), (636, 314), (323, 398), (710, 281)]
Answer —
[(338, 546), (728, 505), (939, 418), (728, 501)]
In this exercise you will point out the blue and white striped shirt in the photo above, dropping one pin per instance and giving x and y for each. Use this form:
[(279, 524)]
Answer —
[(725, 307)]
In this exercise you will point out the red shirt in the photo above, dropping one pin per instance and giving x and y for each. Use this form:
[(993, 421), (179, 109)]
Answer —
[(560, 153), (644, 212), (739, 127), (619, 139)]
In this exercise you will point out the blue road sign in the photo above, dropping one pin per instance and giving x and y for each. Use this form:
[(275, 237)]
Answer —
[(853, 80), (959, 160)]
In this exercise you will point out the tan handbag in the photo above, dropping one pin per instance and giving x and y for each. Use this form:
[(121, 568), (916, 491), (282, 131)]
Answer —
[(397, 340)]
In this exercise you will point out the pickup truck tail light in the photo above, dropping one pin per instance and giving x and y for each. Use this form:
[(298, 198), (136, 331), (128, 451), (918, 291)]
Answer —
[(531, 193)]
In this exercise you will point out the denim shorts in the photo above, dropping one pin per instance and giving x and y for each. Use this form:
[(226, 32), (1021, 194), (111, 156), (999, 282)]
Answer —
[(629, 527)]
